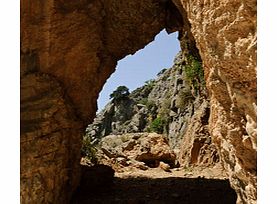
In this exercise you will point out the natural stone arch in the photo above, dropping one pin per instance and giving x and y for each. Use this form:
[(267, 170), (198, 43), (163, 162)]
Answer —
[(68, 50)]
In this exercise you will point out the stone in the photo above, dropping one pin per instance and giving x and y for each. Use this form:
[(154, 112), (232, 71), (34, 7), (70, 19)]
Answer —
[(154, 147), (139, 150), (69, 49), (140, 165), (122, 161), (164, 166), (49, 128), (199, 149)]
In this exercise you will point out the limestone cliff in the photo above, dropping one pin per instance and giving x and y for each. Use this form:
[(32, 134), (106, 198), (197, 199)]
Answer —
[(225, 34), (170, 104), (69, 49)]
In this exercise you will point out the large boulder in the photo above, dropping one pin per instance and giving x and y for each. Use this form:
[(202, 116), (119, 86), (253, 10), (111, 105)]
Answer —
[(136, 149)]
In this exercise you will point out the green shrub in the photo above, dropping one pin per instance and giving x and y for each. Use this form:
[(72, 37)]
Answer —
[(88, 150), (165, 107), (193, 68), (157, 125), (151, 106), (150, 83), (194, 72), (143, 101)]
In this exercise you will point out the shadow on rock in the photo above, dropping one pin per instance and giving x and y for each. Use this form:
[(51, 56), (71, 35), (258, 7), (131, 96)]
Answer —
[(99, 186), (96, 179)]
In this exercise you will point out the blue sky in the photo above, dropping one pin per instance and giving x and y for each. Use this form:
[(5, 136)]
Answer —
[(133, 70)]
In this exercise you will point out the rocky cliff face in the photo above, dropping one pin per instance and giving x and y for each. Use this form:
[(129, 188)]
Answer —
[(170, 104), (68, 50), (225, 34)]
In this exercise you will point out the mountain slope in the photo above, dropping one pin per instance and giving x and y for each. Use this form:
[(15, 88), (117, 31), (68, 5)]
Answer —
[(174, 104)]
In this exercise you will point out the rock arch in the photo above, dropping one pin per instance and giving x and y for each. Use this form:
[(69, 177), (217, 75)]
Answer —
[(69, 49)]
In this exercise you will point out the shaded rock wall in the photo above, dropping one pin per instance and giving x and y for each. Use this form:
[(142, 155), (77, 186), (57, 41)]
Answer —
[(50, 138), (77, 41), (68, 50)]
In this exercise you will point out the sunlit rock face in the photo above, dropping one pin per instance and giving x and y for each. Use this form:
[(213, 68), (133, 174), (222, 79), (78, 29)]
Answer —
[(70, 48), (225, 34)]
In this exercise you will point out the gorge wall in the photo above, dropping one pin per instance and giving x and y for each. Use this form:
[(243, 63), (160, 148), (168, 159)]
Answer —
[(225, 34), (70, 48), (174, 104)]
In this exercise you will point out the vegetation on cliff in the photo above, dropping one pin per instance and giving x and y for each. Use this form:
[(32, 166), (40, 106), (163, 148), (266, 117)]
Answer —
[(194, 73), (163, 105), (120, 93)]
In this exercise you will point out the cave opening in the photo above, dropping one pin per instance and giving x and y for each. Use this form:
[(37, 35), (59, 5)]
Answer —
[(123, 154), (125, 105), (69, 49)]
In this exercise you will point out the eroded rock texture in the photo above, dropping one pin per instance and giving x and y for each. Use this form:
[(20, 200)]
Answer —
[(135, 150), (69, 48), (197, 148), (50, 136), (225, 34)]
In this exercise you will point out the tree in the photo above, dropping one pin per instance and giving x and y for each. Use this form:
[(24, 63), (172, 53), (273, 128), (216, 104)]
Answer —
[(120, 93)]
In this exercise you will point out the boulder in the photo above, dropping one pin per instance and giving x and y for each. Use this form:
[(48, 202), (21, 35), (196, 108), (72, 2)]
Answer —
[(137, 150)]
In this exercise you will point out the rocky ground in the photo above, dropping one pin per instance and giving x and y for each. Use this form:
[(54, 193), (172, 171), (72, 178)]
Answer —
[(153, 145), (141, 168), (154, 185), (215, 172)]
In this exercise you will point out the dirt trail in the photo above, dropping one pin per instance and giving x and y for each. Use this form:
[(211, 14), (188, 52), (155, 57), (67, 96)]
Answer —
[(154, 186)]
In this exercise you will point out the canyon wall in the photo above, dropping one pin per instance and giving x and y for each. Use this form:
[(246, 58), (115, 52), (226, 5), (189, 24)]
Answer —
[(70, 48), (225, 34), (172, 104)]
